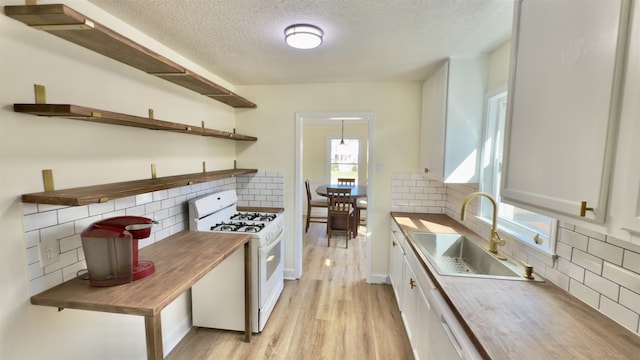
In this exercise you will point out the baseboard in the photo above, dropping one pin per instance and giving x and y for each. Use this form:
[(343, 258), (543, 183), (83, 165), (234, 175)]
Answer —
[(290, 274), (378, 279)]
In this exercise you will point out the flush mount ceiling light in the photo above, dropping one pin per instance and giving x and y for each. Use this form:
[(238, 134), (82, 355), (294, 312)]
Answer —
[(303, 36)]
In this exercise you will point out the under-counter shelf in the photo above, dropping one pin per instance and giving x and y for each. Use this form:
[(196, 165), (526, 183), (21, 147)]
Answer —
[(66, 23), (103, 193), (109, 117)]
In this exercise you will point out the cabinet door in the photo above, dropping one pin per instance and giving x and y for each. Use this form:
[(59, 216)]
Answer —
[(432, 133), (396, 265), (452, 110), (563, 100), (409, 306), (626, 190)]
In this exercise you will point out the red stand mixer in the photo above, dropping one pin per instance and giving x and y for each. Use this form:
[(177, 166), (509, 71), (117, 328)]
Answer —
[(111, 250)]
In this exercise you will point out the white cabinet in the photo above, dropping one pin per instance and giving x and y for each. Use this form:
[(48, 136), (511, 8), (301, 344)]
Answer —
[(396, 262), (626, 185), (563, 105), (452, 111), (416, 309)]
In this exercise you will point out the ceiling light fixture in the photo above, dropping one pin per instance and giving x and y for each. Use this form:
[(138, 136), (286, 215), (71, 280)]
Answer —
[(303, 36)]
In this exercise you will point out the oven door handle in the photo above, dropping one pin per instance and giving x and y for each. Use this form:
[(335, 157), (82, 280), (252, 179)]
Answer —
[(265, 249)]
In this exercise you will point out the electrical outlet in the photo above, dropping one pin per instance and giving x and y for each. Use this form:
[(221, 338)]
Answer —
[(49, 252)]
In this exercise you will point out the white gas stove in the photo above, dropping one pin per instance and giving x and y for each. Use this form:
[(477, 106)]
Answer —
[(218, 213)]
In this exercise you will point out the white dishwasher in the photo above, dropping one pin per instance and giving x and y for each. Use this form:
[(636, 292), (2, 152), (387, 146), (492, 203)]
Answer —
[(447, 338)]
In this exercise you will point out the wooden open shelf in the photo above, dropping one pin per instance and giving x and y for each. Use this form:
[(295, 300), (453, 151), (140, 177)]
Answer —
[(108, 117), (103, 193), (64, 22)]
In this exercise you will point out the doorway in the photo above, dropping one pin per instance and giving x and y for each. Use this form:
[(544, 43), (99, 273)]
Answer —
[(307, 119)]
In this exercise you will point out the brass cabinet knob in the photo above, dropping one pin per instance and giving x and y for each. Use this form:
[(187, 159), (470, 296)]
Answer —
[(412, 283)]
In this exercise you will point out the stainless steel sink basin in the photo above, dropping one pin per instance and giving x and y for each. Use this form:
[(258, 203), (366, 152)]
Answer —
[(454, 254)]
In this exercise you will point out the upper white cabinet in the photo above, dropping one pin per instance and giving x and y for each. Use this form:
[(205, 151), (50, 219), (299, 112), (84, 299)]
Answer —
[(625, 209), (563, 105), (452, 111)]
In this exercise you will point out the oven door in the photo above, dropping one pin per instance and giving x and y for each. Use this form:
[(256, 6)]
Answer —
[(270, 273), (270, 267)]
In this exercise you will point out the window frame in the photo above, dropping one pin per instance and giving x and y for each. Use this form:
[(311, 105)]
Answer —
[(361, 155), (489, 180)]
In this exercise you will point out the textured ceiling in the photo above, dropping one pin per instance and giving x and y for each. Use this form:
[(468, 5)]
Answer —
[(242, 41)]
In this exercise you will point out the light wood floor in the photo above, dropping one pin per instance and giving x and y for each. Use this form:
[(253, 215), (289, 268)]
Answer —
[(329, 313)]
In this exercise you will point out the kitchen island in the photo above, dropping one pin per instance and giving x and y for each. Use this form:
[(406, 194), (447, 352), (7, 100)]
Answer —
[(511, 319), (180, 261)]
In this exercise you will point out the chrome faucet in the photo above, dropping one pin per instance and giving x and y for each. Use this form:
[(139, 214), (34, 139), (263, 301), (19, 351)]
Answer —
[(495, 238)]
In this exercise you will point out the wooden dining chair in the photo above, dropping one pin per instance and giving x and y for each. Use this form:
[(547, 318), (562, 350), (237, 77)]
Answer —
[(346, 181), (340, 215), (322, 203)]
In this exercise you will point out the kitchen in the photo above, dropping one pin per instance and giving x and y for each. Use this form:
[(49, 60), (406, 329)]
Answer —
[(86, 154)]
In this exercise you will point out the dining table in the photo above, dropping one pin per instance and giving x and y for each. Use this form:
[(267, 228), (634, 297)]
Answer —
[(357, 192)]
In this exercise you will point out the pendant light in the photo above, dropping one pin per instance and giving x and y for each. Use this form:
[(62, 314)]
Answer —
[(342, 138)]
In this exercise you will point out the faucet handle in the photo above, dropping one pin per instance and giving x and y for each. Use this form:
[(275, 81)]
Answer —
[(528, 270)]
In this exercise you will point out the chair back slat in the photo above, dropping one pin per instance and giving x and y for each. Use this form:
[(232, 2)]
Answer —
[(346, 181), (339, 199)]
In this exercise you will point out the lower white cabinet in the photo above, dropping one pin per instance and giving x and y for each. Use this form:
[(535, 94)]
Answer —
[(396, 262), (415, 313), (433, 330)]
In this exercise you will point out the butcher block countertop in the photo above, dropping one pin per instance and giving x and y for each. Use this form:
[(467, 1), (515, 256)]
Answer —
[(509, 319), (180, 261), (260, 209)]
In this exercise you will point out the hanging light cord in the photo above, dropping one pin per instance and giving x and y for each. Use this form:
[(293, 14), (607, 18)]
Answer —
[(342, 139)]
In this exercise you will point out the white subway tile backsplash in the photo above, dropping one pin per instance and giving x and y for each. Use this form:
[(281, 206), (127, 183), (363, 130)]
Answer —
[(573, 239), (32, 238), (584, 293), (152, 206), (102, 208), (416, 193), (572, 270), (57, 231), (631, 261), (28, 208), (124, 203), (160, 195), (590, 233), (135, 211), (42, 283), (564, 250), (610, 253), (143, 199), (72, 213), (589, 262), (622, 276), (33, 255), (70, 242), (620, 314), (71, 271), (630, 299), (603, 286), (168, 207), (40, 220), (35, 270), (560, 279)]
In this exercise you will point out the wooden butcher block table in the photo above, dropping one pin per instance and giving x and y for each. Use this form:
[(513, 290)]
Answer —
[(180, 261)]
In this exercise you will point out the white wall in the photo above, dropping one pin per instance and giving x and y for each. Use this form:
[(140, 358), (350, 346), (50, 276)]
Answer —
[(394, 138), (82, 153)]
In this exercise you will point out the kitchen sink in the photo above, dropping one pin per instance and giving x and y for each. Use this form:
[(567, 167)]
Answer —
[(456, 255)]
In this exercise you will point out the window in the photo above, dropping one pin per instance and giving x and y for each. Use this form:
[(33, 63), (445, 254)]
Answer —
[(344, 159), (529, 227)]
